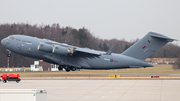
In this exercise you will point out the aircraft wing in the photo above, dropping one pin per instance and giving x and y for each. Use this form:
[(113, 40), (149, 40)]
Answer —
[(77, 51), (86, 53)]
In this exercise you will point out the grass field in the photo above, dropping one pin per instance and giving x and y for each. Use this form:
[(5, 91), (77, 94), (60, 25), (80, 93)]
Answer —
[(157, 69)]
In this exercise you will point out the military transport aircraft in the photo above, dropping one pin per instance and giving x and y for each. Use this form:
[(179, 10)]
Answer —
[(72, 57)]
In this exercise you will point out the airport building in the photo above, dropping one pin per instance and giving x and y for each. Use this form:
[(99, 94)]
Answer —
[(43, 66)]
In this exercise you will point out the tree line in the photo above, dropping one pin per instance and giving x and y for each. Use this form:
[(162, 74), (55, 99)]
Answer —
[(78, 37)]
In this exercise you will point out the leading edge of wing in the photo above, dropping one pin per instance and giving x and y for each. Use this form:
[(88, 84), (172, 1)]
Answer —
[(89, 51)]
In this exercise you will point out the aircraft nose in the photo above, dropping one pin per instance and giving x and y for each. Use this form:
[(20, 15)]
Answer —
[(3, 41)]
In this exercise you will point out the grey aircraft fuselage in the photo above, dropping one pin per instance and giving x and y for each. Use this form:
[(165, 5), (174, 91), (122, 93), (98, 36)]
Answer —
[(81, 58)]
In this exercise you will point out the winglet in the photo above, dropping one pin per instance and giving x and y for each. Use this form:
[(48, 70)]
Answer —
[(109, 51)]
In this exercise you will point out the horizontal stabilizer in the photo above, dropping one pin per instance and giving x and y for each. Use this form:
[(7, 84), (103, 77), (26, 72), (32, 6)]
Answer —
[(155, 35)]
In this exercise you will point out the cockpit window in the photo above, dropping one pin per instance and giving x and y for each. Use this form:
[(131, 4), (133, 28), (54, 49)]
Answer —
[(11, 37)]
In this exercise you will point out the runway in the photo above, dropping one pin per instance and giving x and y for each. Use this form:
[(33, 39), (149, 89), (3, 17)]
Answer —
[(103, 90), (96, 75), (100, 77)]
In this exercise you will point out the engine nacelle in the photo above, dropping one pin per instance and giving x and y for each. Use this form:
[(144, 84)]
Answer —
[(45, 47), (61, 50)]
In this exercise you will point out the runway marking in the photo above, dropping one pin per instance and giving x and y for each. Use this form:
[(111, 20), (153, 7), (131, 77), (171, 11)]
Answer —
[(93, 91), (161, 90), (127, 90)]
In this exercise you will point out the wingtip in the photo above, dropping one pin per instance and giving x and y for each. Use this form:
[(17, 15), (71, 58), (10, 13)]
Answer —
[(176, 40)]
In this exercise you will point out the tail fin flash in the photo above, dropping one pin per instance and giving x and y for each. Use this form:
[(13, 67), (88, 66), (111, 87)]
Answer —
[(147, 45)]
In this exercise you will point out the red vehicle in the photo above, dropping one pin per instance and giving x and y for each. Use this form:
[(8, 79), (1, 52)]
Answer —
[(11, 77)]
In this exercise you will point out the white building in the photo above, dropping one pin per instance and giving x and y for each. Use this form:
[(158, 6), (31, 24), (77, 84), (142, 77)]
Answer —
[(43, 66), (54, 67), (36, 67)]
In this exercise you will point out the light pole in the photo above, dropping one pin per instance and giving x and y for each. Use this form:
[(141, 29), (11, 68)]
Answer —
[(8, 55), (8, 63)]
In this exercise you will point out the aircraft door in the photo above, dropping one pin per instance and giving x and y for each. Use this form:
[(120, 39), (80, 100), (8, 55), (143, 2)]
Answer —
[(28, 46), (20, 46)]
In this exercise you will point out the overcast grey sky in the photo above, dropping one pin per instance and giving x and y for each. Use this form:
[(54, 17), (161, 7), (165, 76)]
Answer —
[(107, 19)]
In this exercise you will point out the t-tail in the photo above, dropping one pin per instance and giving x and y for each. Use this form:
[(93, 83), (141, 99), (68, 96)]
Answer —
[(148, 45)]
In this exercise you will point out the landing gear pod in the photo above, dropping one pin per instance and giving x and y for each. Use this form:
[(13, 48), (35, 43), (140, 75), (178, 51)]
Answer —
[(11, 77)]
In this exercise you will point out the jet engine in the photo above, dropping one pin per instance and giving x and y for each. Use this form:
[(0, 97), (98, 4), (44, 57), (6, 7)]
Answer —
[(61, 50), (44, 47)]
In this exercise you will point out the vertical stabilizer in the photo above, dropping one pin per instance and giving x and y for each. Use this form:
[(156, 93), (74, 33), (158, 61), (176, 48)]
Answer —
[(148, 45)]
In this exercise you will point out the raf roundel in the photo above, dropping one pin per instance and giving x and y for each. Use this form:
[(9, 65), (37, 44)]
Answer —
[(111, 60)]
